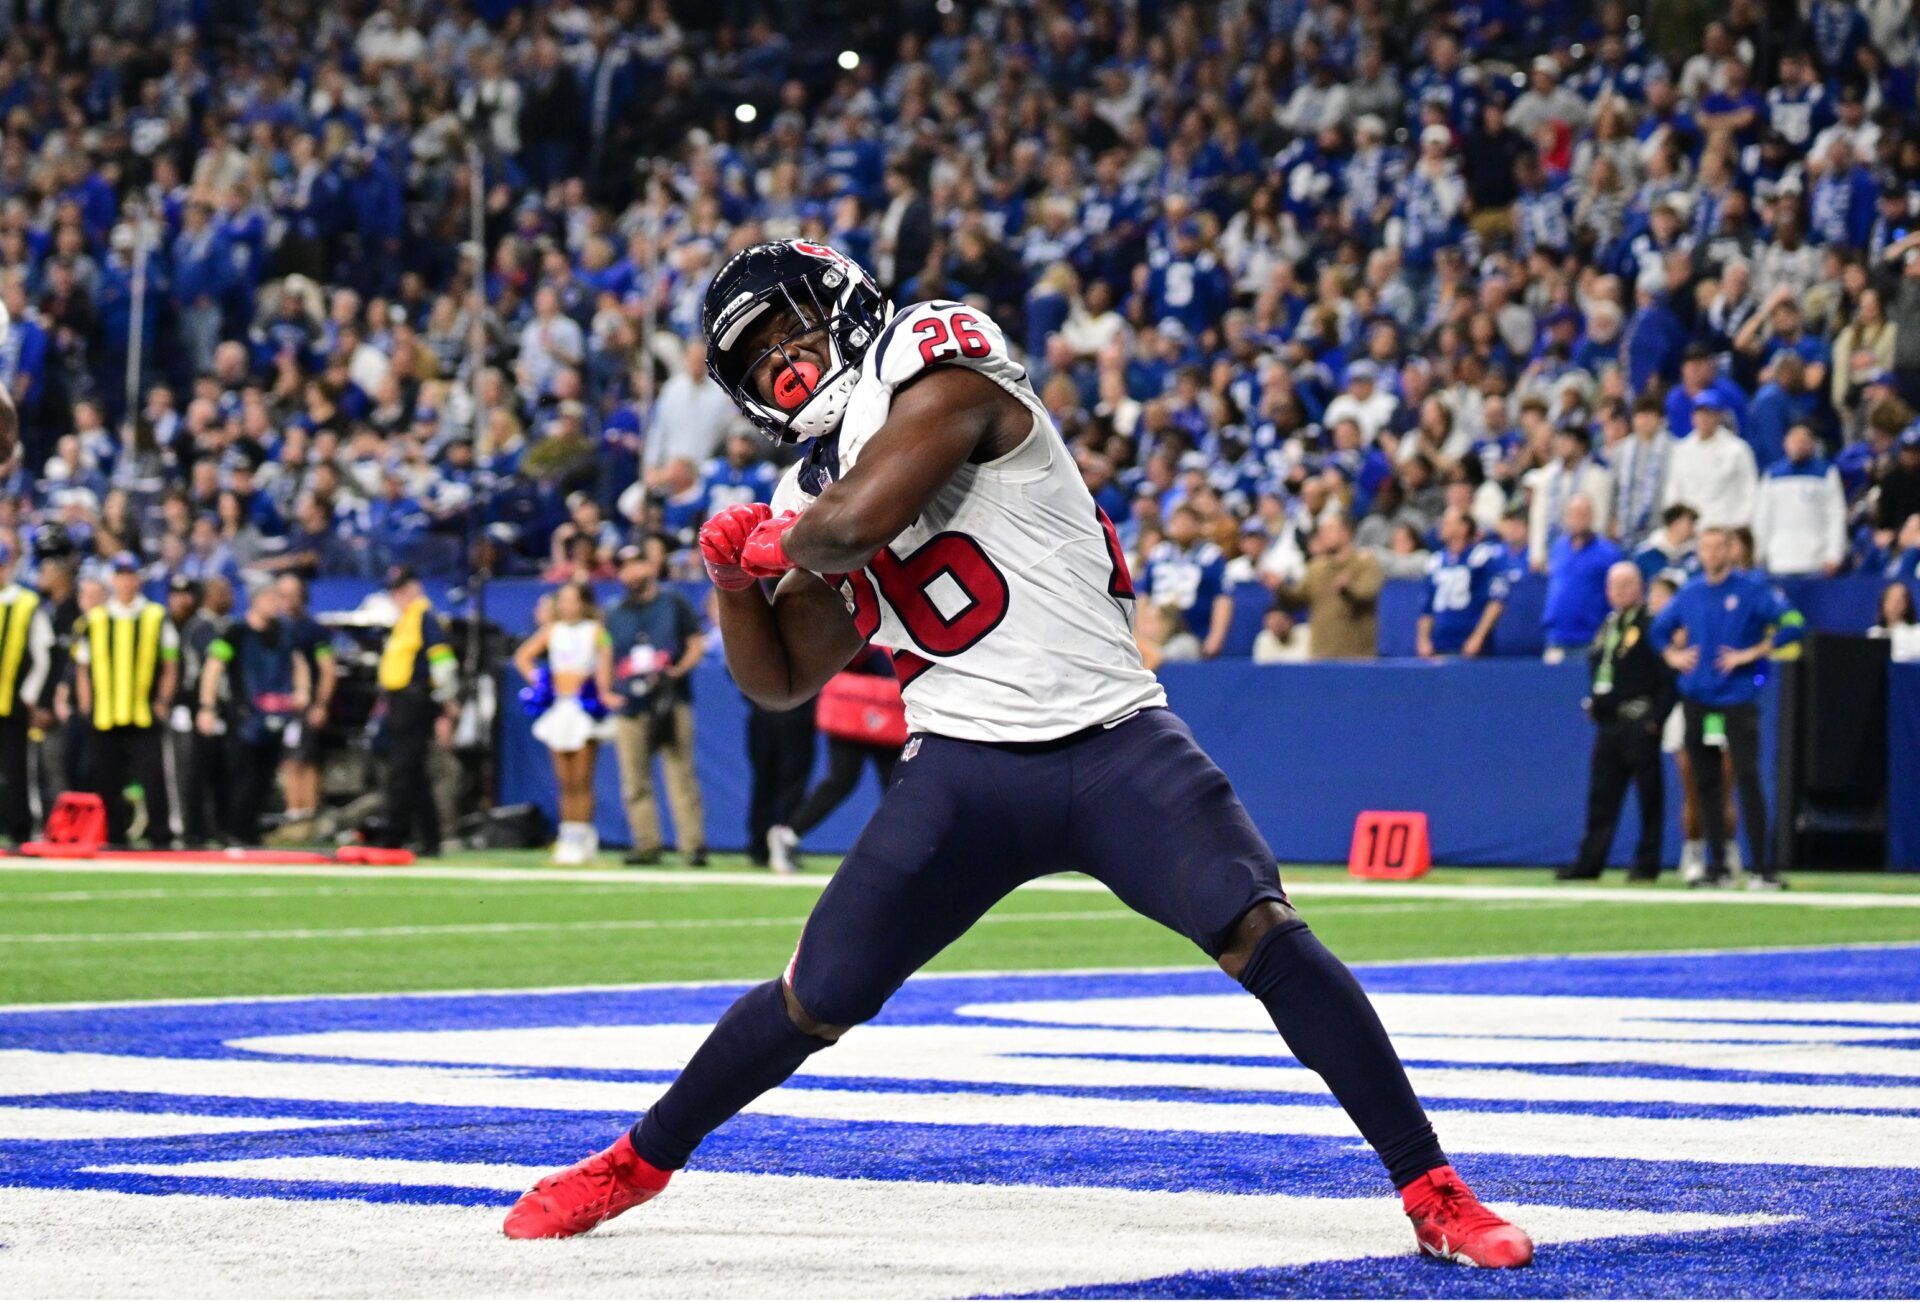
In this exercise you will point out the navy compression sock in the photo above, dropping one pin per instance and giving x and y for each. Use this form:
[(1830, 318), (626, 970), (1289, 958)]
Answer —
[(1331, 1027), (751, 1049)]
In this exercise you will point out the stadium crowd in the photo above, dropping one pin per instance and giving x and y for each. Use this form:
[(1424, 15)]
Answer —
[(1320, 293)]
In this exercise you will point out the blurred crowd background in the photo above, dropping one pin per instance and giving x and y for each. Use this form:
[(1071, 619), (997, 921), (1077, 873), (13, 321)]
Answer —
[(320, 289)]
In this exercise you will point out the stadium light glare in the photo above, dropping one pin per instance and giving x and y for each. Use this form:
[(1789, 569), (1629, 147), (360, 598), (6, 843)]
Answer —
[(943, 6), (745, 113), (849, 60)]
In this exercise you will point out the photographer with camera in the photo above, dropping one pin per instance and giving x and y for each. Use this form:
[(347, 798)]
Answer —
[(656, 643)]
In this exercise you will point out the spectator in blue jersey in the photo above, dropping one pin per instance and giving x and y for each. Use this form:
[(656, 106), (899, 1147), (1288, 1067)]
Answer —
[(1671, 546), (739, 475), (1577, 565), (1838, 29), (1186, 283), (1843, 201), (197, 255), (1733, 621), (1189, 574), (1465, 591), (1904, 566), (1785, 401), (1798, 107), (1655, 339), (1700, 378), (1511, 538)]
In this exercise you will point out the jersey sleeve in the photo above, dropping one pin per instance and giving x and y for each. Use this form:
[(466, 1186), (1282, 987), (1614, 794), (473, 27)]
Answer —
[(1486, 561), (1216, 573), (937, 333)]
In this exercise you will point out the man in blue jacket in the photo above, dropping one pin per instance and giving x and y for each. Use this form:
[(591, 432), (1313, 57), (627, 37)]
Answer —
[(1731, 621), (1577, 566)]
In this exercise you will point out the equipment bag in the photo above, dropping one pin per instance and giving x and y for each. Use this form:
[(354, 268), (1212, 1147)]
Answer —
[(862, 708)]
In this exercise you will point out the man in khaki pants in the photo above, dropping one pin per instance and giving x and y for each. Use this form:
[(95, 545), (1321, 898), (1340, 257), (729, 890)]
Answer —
[(656, 643)]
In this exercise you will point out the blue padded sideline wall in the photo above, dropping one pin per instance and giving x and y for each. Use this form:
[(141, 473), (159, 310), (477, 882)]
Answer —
[(1495, 752)]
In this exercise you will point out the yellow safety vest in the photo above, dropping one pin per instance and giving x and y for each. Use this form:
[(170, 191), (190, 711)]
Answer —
[(402, 651), (123, 653), (16, 621)]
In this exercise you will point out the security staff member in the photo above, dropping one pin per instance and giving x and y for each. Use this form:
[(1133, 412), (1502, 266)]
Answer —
[(26, 655), (1631, 695), (268, 687), (419, 686), (127, 655), (1733, 621)]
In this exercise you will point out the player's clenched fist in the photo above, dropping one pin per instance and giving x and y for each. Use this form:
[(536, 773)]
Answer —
[(765, 553), (721, 539)]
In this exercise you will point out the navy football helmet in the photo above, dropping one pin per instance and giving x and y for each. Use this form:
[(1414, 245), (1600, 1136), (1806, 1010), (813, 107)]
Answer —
[(822, 292)]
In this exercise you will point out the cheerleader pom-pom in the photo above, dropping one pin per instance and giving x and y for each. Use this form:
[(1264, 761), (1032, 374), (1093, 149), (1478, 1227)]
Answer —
[(590, 702), (537, 696)]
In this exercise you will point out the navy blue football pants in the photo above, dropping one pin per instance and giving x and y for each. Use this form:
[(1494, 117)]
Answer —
[(1139, 807)]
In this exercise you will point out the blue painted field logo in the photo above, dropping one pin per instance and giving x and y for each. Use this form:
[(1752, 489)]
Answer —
[(1689, 1126)]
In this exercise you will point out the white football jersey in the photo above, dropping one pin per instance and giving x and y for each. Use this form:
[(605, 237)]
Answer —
[(1007, 604)]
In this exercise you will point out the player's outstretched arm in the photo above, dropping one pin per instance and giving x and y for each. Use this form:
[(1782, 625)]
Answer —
[(938, 421), (782, 651)]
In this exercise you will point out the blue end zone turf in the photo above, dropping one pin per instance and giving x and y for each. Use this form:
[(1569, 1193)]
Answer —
[(1845, 1175)]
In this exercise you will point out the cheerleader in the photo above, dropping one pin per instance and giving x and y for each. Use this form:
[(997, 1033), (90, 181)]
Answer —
[(568, 698)]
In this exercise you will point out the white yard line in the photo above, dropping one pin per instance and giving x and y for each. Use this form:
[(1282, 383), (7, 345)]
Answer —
[(61, 1124), (974, 974), (114, 895), (648, 924), (716, 1235), (485, 928), (1418, 890)]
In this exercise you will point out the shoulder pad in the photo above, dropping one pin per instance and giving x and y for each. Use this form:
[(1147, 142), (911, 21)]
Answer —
[(938, 333)]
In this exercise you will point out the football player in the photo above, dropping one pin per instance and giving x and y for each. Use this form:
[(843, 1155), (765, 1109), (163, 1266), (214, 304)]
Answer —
[(937, 512)]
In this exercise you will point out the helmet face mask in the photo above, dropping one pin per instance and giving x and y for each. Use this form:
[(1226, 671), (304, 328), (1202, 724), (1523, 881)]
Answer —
[(774, 309)]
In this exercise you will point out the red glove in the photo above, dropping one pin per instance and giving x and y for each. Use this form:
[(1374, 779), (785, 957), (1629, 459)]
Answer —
[(765, 553), (721, 539)]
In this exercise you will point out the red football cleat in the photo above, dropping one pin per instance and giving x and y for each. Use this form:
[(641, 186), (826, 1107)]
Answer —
[(575, 1200), (1451, 1224)]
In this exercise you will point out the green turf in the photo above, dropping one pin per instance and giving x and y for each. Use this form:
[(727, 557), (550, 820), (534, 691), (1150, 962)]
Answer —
[(142, 935)]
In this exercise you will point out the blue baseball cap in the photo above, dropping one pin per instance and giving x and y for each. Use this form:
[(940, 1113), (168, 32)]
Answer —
[(1910, 438), (126, 563)]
